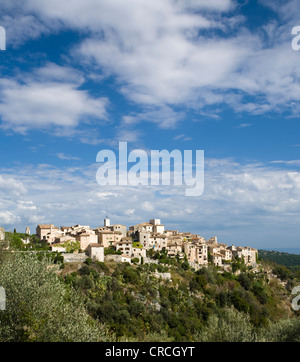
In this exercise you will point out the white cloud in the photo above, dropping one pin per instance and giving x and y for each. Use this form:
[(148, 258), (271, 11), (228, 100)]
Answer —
[(26, 205), (56, 73), (244, 125), (106, 195), (165, 117), (250, 203), (15, 208), (159, 55), (182, 137), (21, 28), (169, 70), (148, 206), (63, 156), (129, 212), (48, 97), (216, 5), (8, 218), (11, 186), (164, 62)]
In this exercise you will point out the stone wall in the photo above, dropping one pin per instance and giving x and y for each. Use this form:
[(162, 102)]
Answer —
[(74, 257)]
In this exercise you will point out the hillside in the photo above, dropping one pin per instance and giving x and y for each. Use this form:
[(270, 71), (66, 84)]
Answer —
[(164, 302), (139, 305), (291, 261)]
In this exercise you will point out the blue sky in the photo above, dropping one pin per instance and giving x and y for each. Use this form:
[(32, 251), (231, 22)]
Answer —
[(220, 76)]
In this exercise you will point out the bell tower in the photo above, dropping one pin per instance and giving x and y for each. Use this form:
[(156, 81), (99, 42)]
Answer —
[(106, 221)]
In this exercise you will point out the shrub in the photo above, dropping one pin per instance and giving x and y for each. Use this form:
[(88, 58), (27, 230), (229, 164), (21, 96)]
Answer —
[(231, 326), (130, 275), (40, 307), (88, 261), (286, 330), (282, 272), (244, 280)]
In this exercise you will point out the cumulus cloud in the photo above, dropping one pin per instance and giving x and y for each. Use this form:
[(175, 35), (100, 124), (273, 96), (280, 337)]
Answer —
[(155, 52), (9, 185), (8, 218), (48, 97), (246, 201), (14, 201), (174, 52)]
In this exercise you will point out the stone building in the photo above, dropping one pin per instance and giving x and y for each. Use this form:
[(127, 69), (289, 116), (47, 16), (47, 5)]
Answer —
[(197, 253), (43, 229), (85, 239), (109, 238), (125, 246), (96, 252)]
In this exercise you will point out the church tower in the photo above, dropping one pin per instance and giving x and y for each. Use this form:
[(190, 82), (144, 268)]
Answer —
[(106, 222)]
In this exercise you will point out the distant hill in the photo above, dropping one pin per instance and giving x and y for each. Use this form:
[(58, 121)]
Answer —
[(291, 261), (286, 250)]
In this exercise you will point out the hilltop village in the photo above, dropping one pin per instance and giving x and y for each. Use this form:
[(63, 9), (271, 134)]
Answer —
[(115, 242)]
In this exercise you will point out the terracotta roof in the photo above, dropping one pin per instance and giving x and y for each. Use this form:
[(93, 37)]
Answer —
[(46, 226)]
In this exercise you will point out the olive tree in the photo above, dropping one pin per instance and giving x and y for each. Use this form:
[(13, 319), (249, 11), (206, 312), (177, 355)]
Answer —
[(231, 326), (40, 306)]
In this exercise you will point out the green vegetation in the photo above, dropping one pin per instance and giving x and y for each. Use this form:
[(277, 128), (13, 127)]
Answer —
[(291, 261), (15, 241), (137, 244), (207, 305), (111, 251), (40, 307), (48, 300), (71, 246)]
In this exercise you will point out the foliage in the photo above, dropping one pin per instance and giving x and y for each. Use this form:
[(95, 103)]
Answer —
[(282, 272), (207, 305), (229, 326), (53, 257), (40, 307), (135, 260), (15, 242), (111, 251), (291, 261), (137, 244), (218, 306), (285, 330), (71, 246)]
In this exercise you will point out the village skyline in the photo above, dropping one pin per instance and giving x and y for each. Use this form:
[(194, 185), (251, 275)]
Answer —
[(134, 242), (221, 76)]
